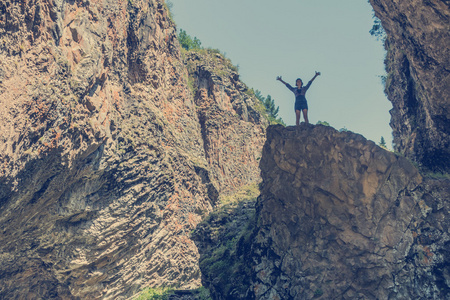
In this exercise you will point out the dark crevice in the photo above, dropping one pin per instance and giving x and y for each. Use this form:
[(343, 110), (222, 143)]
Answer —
[(42, 190)]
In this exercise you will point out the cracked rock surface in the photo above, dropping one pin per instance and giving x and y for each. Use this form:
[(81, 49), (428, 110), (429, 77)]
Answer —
[(107, 162), (341, 218), (418, 78)]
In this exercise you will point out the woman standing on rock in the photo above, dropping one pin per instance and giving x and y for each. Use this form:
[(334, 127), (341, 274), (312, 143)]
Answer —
[(300, 99)]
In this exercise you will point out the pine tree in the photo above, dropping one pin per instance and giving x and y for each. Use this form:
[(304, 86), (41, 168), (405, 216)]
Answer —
[(187, 42), (259, 96), (382, 143), (269, 103)]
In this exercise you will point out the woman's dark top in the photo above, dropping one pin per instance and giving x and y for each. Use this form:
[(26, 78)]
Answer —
[(300, 99)]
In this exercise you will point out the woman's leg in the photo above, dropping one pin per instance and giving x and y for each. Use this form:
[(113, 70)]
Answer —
[(305, 115), (297, 117)]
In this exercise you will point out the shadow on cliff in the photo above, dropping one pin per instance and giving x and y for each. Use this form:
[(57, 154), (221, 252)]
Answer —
[(341, 218), (338, 218), (224, 240)]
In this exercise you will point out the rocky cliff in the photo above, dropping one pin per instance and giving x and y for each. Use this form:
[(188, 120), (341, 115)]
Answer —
[(114, 145), (418, 80), (109, 154), (341, 218), (232, 120)]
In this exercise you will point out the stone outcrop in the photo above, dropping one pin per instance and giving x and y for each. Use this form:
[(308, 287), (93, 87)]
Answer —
[(114, 145), (227, 113), (107, 159), (418, 79), (341, 218)]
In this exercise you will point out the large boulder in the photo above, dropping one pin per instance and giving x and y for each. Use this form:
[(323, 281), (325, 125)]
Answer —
[(339, 216)]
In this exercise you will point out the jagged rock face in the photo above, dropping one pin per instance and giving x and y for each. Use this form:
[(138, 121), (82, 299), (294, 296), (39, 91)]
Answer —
[(339, 217), (227, 114), (103, 169), (418, 80)]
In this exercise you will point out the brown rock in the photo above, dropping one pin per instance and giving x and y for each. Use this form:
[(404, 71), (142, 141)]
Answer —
[(103, 168), (228, 114), (335, 219), (418, 79)]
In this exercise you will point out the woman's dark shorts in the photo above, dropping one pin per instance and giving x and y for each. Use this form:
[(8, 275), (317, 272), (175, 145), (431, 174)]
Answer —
[(301, 104)]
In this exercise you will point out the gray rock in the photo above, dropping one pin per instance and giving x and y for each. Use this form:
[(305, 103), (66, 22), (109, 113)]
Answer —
[(339, 217), (418, 78)]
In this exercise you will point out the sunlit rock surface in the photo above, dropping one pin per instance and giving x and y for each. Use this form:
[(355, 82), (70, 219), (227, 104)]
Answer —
[(107, 159)]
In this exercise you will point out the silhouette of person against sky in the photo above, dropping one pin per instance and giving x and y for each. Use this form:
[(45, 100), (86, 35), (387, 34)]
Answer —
[(301, 105)]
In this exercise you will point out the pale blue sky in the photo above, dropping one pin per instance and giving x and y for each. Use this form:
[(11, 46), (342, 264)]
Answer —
[(295, 38)]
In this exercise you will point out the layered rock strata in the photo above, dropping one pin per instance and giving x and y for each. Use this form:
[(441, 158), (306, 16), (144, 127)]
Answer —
[(341, 218), (228, 114), (418, 78), (104, 169)]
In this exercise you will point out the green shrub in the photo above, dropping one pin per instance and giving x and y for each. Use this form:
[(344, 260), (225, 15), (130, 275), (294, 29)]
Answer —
[(187, 42), (155, 294), (377, 29), (324, 123), (200, 293)]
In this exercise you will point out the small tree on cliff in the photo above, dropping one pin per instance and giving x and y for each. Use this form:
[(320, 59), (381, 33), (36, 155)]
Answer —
[(187, 42), (377, 29), (382, 143), (270, 107), (269, 103)]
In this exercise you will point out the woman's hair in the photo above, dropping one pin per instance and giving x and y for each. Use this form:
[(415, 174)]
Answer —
[(298, 80)]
